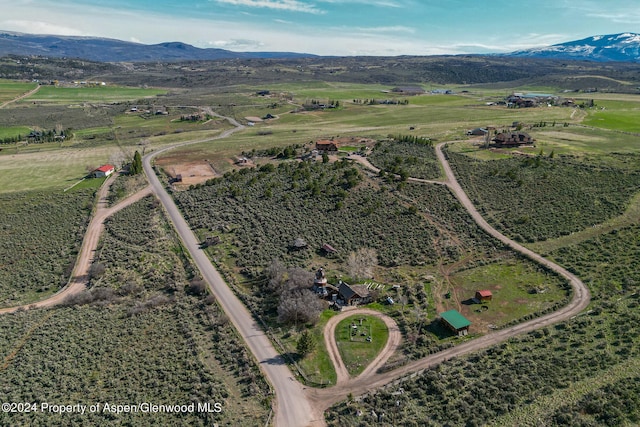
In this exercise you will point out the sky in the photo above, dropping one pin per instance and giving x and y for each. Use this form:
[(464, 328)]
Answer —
[(330, 27)]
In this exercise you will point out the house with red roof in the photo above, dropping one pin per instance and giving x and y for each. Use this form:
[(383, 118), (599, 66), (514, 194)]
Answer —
[(104, 170), (484, 295)]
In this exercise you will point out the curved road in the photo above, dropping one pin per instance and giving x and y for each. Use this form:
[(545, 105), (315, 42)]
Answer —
[(392, 344), (322, 399), (292, 408)]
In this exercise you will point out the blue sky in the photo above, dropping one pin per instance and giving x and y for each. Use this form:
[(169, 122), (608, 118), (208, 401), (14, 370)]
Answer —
[(330, 27)]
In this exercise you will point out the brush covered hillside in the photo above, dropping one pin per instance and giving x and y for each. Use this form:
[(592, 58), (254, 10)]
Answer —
[(496, 71), (112, 50), (624, 47)]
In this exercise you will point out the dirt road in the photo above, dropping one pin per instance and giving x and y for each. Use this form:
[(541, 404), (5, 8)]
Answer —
[(321, 399), (291, 408), (80, 274), (18, 98), (392, 344)]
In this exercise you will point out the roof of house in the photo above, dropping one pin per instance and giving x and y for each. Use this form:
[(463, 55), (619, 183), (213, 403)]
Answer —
[(106, 168), (455, 319), (484, 293), (349, 292)]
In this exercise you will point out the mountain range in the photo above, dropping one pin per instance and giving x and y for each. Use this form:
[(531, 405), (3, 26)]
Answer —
[(623, 47), (111, 50)]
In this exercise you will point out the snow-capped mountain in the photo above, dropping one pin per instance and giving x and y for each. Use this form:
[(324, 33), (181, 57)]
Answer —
[(623, 47)]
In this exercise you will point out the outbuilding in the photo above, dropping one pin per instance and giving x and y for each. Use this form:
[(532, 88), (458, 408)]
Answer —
[(104, 170), (456, 322), (484, 295)]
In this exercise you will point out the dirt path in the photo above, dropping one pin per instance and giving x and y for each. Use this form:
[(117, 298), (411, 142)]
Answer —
[(80, 274), (392, 344), (321, 399), (24, 95)]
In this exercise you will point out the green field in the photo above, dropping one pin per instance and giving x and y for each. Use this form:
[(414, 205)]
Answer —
[(352, 336), (10, 89), (101, 94)]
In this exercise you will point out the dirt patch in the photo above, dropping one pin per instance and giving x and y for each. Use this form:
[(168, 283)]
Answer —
[(254, 119), (192, 173)]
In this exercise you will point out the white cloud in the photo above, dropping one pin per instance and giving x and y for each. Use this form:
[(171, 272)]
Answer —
[(40, 27), (284, 5), (237, 44)]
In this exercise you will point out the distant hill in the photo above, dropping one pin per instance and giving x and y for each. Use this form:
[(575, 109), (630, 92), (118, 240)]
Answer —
[(111, 50), (623, 47)]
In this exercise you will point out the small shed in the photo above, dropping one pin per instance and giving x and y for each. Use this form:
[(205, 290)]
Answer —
[(484, 295), (456, 322)]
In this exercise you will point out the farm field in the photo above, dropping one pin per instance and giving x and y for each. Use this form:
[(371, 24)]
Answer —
[(99, 94), (10, 89)]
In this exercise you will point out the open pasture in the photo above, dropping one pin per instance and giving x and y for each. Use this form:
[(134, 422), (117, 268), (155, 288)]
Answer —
[(10, 89), (95, 94)]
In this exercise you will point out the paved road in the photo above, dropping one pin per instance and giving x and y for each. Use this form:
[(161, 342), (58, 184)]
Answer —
[(292, 408)]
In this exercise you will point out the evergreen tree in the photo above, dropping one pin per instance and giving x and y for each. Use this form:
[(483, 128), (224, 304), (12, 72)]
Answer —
[(306, 344), (136, 164)]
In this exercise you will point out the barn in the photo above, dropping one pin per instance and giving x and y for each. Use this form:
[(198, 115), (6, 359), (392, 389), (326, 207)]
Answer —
[(104, 170), (456, 322)]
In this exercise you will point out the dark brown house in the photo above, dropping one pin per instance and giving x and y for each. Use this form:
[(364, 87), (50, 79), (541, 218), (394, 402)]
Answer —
[(354, 295), (512, 139), (325, 145)]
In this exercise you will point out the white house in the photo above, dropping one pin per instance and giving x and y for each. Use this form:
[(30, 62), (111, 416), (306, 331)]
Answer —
[(104, 170)]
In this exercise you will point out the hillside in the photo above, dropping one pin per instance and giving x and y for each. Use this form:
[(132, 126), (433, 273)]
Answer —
[(111, 50)]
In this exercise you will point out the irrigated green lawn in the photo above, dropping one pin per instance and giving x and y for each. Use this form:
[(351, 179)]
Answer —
[(351, 336)]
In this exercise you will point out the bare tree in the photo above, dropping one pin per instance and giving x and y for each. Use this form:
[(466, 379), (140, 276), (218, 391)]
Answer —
[(360, 263), (299, 306)]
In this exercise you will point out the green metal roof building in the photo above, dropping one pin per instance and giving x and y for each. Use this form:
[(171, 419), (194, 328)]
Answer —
[(456, 322)]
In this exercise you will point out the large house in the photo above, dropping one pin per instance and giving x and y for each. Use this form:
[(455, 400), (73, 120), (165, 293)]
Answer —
[(326, 145), (512, 139), (104, 170)]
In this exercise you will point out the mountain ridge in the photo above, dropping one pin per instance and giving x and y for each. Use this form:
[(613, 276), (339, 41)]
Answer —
[(113, 50), (621, 47)]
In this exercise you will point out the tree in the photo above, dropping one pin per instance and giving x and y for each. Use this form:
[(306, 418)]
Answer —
[(325, 158), (360, 263), (136, 164), (306, 344), (299, 306)]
